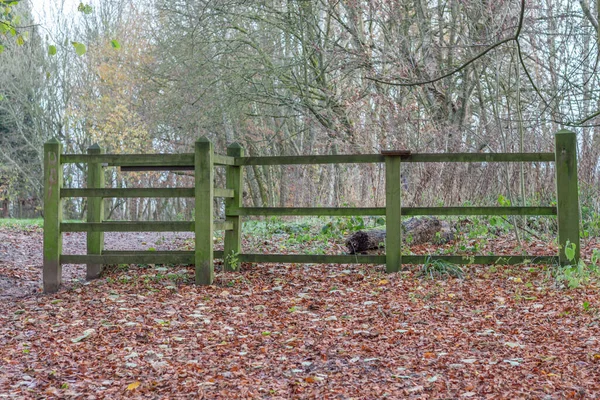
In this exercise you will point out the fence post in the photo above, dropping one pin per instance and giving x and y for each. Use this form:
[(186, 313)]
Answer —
[(95, 212), (393, 221), (203, 214), (567, 193), (53, 175), (233, 238)]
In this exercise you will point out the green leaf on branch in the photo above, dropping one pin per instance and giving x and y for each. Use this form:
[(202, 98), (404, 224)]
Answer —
[(1, 49), (503, 201), (85, 8), (51, 50), (115, 44), (20, 40), (79, 48)]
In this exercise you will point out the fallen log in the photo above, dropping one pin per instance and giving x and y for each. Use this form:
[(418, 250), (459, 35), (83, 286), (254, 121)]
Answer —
[(415, 231)]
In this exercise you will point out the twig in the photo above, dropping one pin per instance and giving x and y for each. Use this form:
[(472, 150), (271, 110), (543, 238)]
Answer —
[(524, 229), (514, 38)]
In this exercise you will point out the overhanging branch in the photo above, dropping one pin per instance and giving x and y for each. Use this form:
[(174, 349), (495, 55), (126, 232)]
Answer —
[(515, 38)]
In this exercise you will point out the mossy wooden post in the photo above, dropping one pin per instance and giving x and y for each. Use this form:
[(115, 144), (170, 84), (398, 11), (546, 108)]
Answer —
[(52, 271), (393, 221), (233, 238), (95, 212), (204, 176), (567, 193)]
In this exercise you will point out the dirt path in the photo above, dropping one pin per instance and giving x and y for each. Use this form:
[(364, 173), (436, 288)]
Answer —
[(21, 255)]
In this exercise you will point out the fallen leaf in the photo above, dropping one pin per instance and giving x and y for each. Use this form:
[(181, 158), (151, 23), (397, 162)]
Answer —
[(86, 334), (515, 362), (513, 345)]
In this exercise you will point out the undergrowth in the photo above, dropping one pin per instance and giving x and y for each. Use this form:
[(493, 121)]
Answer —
[(315, 232), (578, 273)]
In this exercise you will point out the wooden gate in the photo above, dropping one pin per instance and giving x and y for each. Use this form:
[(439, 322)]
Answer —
[(203, 161)]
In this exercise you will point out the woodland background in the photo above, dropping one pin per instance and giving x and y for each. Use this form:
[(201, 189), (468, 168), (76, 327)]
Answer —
[(303, 77)]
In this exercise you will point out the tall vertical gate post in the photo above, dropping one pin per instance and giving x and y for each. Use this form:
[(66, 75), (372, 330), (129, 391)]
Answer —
[(233, 238), (203, 213), (567, 194), (53, 174), (393, 220), (95, 211)]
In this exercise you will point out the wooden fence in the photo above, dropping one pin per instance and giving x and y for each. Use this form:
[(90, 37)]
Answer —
[(203, 161)]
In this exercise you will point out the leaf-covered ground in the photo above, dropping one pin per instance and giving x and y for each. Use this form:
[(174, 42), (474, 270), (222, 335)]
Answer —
[(305, 331)]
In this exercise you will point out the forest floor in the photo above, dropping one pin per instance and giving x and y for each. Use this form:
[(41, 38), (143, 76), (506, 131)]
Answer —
[(296, 331)]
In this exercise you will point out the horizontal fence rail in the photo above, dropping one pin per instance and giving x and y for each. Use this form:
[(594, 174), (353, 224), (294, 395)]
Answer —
[(128, 226), (407, 259), (128, 192), (185, 160), (153, 160), (135, 257), (379, 158), (405, 211), (187, 257), (139, 192), (203, 161), (411, 211), (306, 211)]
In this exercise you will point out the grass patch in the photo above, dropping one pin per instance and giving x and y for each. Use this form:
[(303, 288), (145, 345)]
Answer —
[(27, 223), (441, 269), (14, 223)]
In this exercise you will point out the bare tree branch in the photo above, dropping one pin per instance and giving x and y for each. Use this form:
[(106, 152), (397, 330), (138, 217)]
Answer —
[(515, 38), (585, 7)]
